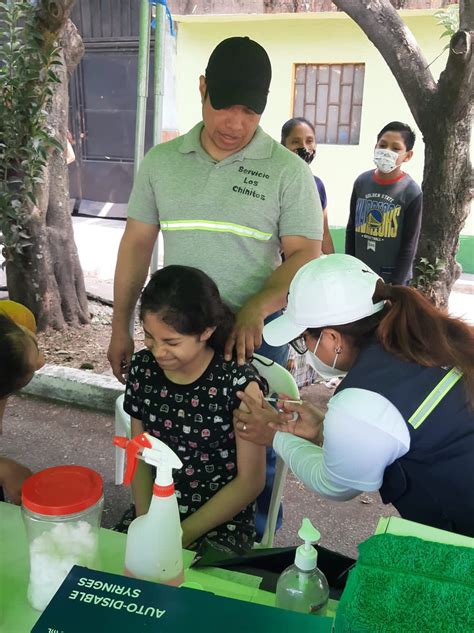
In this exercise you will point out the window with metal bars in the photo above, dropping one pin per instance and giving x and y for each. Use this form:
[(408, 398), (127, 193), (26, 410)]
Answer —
[(330, 96)]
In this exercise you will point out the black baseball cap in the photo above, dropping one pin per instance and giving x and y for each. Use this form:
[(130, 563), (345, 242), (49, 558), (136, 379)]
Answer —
[(239, 73)]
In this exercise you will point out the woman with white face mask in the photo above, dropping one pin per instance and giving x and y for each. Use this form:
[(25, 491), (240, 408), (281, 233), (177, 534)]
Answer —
[(402, 419)]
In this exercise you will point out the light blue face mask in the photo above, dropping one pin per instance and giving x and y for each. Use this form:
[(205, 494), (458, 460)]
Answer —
[(325, 371)]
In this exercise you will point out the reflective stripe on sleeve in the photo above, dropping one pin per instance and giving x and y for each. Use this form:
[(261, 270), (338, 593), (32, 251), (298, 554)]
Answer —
[(214, 227), (435, 397)]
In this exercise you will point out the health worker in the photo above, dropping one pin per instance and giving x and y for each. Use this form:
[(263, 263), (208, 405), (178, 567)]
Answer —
[(401, 421)]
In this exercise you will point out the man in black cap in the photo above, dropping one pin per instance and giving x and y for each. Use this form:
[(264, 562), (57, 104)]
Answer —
[(228, 199), (237, 83)]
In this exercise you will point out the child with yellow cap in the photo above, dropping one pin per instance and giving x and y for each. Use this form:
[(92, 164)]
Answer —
[(20, 357)]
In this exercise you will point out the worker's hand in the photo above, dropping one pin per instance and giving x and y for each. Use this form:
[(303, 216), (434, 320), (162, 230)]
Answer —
[(12, 476), (120, 354), (304, 420), (255, 423), (246, 335)]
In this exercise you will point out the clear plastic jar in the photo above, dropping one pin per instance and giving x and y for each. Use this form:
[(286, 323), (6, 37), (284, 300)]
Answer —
[(62, 509)]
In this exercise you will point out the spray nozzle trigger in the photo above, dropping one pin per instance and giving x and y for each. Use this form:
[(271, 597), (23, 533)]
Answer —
[(132, 448), (152, 451)]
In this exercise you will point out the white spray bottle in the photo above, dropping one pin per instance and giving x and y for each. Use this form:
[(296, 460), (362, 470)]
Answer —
[(303, 587), (154, 549)]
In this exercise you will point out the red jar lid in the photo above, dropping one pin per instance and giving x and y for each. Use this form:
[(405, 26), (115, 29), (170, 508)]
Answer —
[(62, 490)]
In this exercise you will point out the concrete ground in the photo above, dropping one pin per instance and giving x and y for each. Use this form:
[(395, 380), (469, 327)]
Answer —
[(41, 433)]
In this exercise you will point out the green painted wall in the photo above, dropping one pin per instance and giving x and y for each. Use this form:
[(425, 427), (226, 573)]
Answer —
[(338, 235), (465, 254)]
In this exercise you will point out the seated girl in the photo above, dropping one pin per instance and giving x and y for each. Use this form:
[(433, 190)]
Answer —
[(181, 390), (19, 359)]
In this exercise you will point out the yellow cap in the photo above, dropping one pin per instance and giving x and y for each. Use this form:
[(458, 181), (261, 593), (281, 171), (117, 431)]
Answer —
[(19, 314)]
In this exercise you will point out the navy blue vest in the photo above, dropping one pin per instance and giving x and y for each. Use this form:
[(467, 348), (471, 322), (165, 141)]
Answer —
[(434, 482)]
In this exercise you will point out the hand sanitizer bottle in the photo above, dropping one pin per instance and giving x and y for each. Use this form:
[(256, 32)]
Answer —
[(303, 587)]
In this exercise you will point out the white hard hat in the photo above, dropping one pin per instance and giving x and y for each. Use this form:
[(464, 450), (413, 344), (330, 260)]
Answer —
[(332, 290)]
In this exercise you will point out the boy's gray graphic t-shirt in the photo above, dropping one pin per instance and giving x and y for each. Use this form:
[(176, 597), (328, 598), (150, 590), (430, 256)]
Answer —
[(384, 225), (226, 218)]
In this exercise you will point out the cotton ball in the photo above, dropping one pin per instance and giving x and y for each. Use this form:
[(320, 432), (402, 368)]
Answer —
[(52, 556)]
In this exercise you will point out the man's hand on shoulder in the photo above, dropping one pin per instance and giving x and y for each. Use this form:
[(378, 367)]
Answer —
[(246, 335), (120, 354)]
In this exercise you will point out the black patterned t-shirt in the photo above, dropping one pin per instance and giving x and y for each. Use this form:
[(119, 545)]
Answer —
[(195, 420)]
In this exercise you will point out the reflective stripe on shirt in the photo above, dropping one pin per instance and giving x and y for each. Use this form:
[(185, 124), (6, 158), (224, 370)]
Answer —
[(217, 227), (435, 397)]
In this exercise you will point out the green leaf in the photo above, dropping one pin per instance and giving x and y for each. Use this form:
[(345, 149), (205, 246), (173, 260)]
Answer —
[(53, 77), (55, 143), (31, 196), (446, 34)]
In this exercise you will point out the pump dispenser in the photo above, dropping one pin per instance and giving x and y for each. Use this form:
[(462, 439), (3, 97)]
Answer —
[(154, 550), (303, 587)]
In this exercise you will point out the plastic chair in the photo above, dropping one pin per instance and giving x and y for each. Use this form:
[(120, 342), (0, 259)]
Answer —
[(123, 426), (279, 381)]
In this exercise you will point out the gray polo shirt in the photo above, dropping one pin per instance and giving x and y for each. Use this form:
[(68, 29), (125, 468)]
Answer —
[(226, 217)]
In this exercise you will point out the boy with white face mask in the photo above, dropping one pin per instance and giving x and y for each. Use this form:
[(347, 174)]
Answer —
[(386, 209)]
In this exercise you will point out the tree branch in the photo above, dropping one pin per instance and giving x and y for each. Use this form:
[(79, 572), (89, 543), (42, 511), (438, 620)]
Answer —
[(72, 45), (456, 82), (395, 42), (53, 14), (466, 15)]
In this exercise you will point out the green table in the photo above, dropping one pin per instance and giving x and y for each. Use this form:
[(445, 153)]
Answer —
[(16, 615)]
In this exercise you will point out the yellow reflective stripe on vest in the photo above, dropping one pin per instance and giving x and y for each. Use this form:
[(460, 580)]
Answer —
[(434, 398), (217, 227)]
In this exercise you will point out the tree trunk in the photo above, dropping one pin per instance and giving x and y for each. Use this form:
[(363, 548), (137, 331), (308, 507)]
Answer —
[(443, 112), (446, 201), (447, 178), (48, 276)]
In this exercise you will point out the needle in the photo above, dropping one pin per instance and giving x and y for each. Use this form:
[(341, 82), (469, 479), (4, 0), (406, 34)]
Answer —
[(283, 400)]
